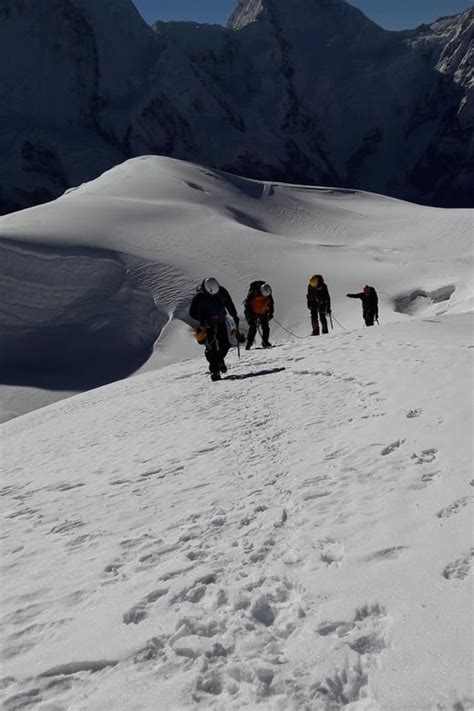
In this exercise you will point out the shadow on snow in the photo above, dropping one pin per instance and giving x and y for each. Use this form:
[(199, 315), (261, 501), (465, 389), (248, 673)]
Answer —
[(256, 374)]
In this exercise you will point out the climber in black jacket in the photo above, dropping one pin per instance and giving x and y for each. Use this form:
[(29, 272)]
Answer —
[(210, 307), (319, 303), (370, 304)]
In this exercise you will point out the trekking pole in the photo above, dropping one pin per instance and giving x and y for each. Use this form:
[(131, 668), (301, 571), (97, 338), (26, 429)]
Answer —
[(330, 318)]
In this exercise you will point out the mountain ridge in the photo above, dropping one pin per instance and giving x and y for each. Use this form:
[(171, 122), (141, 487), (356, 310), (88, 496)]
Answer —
[(296, 97)]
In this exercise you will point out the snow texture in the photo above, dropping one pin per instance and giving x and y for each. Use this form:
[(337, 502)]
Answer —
[(98, 283), (297, 536)]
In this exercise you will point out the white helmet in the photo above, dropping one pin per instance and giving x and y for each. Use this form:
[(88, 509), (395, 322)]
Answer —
[(211, 286), (266, 290)]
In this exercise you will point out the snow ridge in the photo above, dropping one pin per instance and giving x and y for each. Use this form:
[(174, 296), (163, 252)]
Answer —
[(99, 281), (307, 92)]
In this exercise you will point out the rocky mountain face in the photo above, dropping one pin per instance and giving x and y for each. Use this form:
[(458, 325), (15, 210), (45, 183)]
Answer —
[(310, 91)]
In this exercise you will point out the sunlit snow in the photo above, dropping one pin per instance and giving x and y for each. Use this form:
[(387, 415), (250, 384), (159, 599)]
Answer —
[(297, 536)]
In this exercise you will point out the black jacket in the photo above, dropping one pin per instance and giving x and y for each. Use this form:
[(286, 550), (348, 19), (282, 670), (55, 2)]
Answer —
[(209, 309), (318, 298), (370, 302)]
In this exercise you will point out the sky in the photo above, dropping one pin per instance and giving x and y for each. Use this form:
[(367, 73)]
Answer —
[(391, 14)]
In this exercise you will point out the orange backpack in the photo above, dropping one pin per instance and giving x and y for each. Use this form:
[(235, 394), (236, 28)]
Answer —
[(259, 305)]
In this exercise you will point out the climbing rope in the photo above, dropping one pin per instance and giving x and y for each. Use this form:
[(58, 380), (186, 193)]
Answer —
[(295, 335), (339, 324)]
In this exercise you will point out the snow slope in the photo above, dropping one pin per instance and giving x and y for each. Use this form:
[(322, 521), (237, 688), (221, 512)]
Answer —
[(91, 280), (295, 537)]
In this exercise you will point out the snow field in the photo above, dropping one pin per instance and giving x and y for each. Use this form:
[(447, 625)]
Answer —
[(297, 536), (126, 251)]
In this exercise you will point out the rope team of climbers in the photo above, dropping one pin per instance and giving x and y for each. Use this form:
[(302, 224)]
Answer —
[(212, 303)]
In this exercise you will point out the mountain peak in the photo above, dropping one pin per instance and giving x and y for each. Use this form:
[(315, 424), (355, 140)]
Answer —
[(248, 11)]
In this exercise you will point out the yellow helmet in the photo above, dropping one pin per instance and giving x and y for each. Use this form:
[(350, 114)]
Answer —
[(200, 336), (314, 281)]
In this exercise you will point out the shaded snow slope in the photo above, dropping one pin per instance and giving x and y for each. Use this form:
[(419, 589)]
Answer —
[(88, 282), (73, 313), (297, 536), (310, 91)]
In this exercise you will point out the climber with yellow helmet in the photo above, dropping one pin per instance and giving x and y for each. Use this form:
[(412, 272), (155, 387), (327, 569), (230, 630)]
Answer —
[(319, 303)]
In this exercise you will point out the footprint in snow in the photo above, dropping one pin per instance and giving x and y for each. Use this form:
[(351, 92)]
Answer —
[(365, 634), (392, 447), (460, 568), (263, 612), (66, 526), (430, 476), (139, 612), (425, 457), (195, 592), (387, 554), (331, 551), (151, 472), (454, 508), (346, 686), (426, 479), (67, 486)]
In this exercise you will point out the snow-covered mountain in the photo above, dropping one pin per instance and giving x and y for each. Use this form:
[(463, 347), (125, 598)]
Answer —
[(309, 91), (97, 283)]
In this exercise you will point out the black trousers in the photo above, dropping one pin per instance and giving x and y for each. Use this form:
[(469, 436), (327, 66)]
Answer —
[(318, 314), (369, 318), (217, 345), (253, 325)]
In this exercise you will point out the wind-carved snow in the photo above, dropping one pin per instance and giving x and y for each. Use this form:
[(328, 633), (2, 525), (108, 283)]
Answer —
[(100, 281), (78, 316)]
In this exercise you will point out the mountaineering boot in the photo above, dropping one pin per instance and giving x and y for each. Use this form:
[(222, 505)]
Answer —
[(248, 347), (222, 366), (215, 376), (266, 344)]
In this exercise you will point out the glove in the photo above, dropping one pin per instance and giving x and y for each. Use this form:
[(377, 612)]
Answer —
[(329, 312), (270, 316)]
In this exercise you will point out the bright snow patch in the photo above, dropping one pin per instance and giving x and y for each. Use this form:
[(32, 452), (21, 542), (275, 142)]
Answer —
[(297, 536), (88, 282)]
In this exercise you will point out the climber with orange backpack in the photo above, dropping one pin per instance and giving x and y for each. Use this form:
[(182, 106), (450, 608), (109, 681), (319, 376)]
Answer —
[(259, 307), (319, 303)]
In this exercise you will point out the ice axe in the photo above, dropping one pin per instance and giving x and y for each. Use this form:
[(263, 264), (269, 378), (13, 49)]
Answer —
[(239, 337)]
